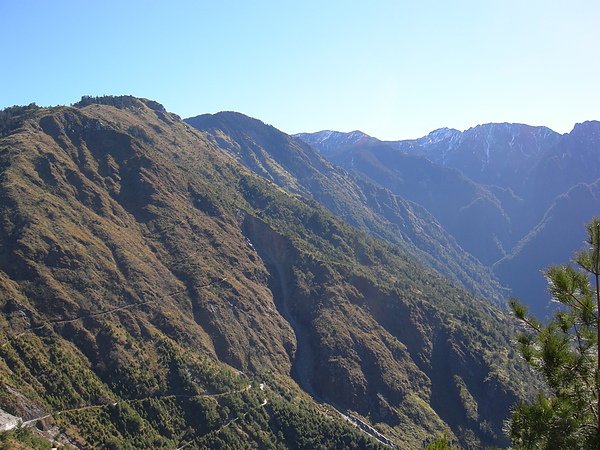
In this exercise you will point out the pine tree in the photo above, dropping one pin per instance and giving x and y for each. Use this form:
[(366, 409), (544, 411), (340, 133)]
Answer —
[(565, 352)]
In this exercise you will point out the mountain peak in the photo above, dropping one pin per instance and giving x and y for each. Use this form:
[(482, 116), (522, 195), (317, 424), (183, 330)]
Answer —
[(589, 127), (438, 135), (323, 135), (327, 141), (120, 101), (230, 120)]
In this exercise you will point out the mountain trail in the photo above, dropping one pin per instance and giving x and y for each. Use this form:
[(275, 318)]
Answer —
[(101, 313), (33, 421)]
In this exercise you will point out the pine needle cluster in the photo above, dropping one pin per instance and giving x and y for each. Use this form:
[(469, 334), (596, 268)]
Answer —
[(565, 352)]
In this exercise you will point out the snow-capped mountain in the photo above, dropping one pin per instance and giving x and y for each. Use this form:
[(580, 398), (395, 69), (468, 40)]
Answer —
[(327, 141)]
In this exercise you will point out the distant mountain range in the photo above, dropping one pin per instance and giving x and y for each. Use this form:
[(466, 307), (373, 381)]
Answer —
[(515, 196)]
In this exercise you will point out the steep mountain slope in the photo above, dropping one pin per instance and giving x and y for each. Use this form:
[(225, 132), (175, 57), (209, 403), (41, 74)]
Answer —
[(139, 263), (549, 173), (471, 213), (550, 242), (298, 168), (574, 159)]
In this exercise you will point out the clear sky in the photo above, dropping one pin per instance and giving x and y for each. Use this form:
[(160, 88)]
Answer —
[(393, 69)]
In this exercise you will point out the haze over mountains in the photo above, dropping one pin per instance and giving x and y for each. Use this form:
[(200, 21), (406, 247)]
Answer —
[(226, 286), (514, 196)]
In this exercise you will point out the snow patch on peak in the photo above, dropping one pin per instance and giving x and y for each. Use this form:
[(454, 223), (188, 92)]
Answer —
[(326, 141), (322, 136), (441, 134)]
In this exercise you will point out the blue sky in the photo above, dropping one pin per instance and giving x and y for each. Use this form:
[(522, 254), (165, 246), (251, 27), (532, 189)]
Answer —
[(393, 69)]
